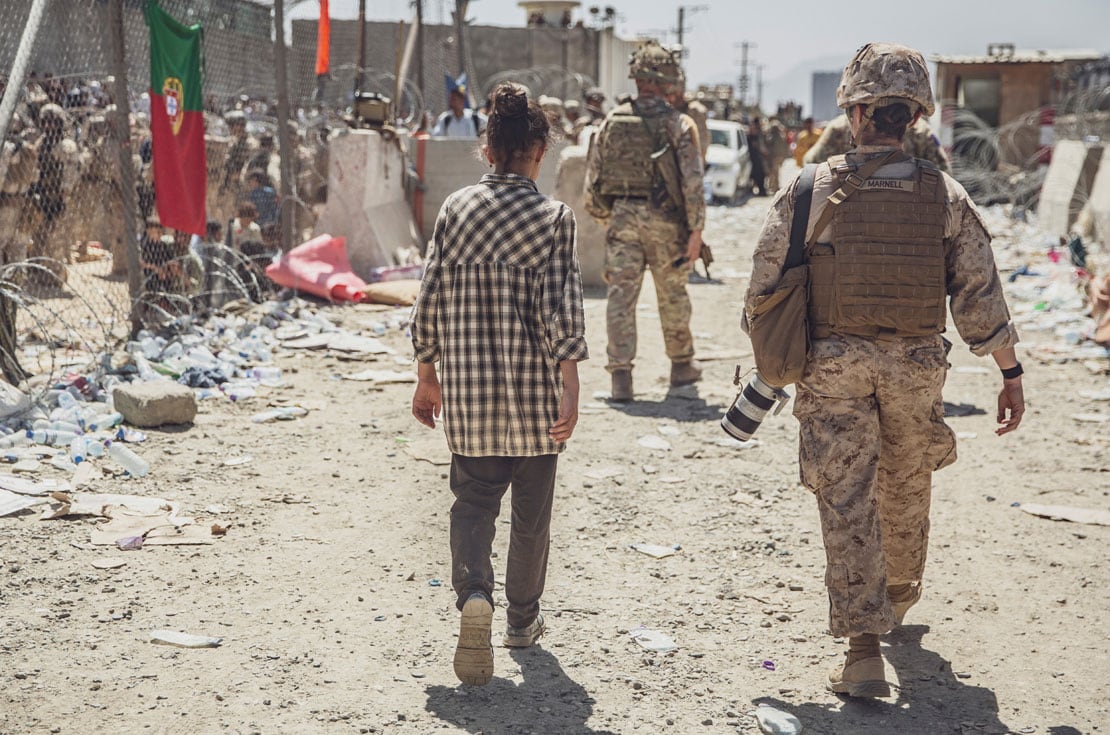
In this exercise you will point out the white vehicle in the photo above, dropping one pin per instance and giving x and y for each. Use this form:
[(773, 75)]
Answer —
[(728, 169)]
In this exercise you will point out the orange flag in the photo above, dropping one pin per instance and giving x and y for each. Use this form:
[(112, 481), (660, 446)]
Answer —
[(323, 39)]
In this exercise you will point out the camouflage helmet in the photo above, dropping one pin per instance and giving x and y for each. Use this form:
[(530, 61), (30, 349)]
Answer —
[(652, 62), (882, 74)]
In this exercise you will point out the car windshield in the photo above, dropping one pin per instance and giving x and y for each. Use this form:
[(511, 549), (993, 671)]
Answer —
[(720, 137)]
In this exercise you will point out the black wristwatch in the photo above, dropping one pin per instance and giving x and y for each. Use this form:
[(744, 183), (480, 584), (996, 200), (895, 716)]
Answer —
[(1014, 372)]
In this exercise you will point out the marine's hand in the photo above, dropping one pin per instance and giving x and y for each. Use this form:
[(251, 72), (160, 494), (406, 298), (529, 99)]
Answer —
[(563, 427), (426, 402), (693, 246), (1011, 406)]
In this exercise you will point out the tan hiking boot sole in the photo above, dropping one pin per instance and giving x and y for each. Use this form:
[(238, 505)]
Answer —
[(474, 653), (860, 679)]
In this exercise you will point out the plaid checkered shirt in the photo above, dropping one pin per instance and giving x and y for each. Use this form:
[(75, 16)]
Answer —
[(500, 306)]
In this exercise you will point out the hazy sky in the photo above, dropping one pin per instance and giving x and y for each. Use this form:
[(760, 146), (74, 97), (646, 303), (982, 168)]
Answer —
[(799, 32)]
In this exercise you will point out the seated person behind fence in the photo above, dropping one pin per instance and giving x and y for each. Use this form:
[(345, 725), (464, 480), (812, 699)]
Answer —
[(244, 227), (263, 196), (154, 253), (459, 121)]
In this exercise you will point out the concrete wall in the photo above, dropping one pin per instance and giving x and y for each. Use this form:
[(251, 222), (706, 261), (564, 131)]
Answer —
[(1067, 185), (452, 164), (570, 188), (1099, 202), (367, 202), (493, 50)]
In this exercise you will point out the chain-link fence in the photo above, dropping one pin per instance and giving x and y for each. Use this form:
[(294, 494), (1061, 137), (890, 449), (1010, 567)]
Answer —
[(69, 199)]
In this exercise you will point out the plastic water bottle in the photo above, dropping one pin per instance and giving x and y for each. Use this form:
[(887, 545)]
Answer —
[(47, 425), (78, 449), (48, 436), (66, 400), (265, 373), (15, 440), (95, 448), (105, 421), (239, 392), (128, 460)]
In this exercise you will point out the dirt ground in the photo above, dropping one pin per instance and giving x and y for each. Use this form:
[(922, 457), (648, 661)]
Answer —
[(331, 589)]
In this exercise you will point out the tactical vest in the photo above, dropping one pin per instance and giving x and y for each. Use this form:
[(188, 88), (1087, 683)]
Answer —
[(884, 273), (627, 169)]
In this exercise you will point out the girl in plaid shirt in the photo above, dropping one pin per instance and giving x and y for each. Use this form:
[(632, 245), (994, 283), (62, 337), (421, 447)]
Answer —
[(500, 309)]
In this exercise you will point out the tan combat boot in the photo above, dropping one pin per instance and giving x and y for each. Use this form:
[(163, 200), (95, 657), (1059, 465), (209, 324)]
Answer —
[(902, 598), (685, 373), (622, 386), (474, 652), (862, 674)]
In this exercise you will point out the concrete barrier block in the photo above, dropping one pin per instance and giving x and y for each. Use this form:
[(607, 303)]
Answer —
[(367, 202), (570, 188), (155, 403), (451, 164), (1100, 200), (1067, 185)]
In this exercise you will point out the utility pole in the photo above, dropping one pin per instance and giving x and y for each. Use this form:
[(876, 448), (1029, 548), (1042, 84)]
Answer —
[(361, 45), (745, 80), (460, 44), (681, 30), (759, 85)]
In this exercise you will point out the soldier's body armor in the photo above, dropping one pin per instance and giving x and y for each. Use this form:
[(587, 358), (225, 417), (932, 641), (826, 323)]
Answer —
[(884, 273), (627, 168)]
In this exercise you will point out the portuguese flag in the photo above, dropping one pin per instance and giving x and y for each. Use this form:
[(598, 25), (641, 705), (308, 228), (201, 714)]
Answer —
[(177, 121)]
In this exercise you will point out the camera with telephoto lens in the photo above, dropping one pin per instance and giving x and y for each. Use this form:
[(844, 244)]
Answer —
[(751, 406)]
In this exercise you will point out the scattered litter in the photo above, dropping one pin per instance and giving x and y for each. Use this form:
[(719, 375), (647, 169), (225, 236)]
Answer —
[(183, 640), (604, 473), (1092, 418), (774, 721), (237, 461), (727, 441), (768, 664), (14, 502), (152, 530), (282, 413), (216, 509), (287, 498), (218, 530), (669, 430), (130, 543), (431, 448), (1068, 513), (651, 441), (309, 342), (1096, 395), (104, 504), (383, 377), (655, 551), (24, 486), (27, 465), (653, 640), (966, 435), (354, 343), (649, 469), (435, 583), (109, 562)]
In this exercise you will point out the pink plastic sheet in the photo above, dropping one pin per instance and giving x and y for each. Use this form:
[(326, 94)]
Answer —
[(319, 267)]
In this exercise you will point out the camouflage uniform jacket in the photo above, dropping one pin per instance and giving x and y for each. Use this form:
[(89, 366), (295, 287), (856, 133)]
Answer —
[(683, 135), (975, 291)]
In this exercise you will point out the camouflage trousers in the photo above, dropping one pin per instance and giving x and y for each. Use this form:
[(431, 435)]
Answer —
[(872, 433), (640, 237), (773, 168)]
